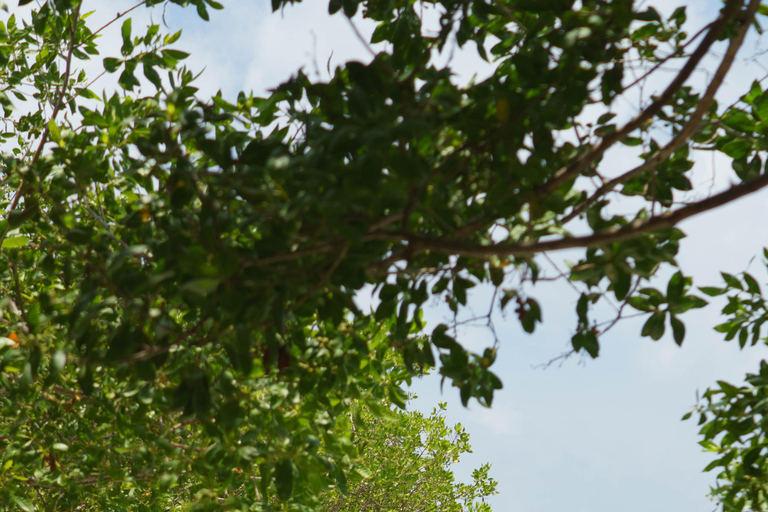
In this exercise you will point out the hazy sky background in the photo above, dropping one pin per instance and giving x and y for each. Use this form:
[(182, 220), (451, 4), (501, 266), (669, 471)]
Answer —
[(595, 436)]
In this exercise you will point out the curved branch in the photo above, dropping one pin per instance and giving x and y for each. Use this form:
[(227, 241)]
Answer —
[(691, 126), (637, 228), (729, 11)]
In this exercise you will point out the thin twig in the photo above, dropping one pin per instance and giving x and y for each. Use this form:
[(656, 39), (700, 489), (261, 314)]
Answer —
[(119, 15), (361, 38)]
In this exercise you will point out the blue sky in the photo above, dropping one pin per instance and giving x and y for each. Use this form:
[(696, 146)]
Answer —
[(585, 436)]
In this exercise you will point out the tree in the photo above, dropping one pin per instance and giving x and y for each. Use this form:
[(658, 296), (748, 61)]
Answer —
[(181, 275), (407, 461), (733, 417)]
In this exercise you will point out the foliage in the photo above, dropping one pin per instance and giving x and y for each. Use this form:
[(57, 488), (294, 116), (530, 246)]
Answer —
[(733, 419), (407, 460), (181, 276)]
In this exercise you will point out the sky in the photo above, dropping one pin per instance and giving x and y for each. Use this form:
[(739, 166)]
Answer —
[(587, 435)]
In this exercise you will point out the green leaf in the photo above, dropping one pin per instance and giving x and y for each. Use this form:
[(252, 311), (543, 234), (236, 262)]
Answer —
[(641, 304), (152, 75), (530, 315), (712, 465), (675, 287), (386, 309), (587, 340), (167, 481), (743, 334), (396, 396), (497, 276), (341, 482), (203, 12), (678, 329), (679, 16), (712, 291), (631, 141), (752, 285), (172, 38), (441, 339), (650, 14), (53, 130), (363, 472), (284, 479), (201, 397), (126, 30), (23, 503), (688, 302), (15, 242), (111, 64), (335, 6), (737, 148), (760, 105), (127, 47), (728, 389), (654, 326), (127, 79), (731, 281), (175, 54), (740, 121)]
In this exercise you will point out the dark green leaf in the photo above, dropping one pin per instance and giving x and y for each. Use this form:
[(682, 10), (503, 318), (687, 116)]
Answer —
[(678, 329), (284, 479), (654, 326)]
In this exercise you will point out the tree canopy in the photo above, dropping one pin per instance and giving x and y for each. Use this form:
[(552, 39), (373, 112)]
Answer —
[(407, 460), (182, 276)]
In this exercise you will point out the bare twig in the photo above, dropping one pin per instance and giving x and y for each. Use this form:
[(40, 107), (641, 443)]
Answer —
[(361, 38), (119, 15)]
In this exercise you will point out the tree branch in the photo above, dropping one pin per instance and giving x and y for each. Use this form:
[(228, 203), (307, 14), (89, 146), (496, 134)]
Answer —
[(117, 17), (74, 18), (731, 9), (156, 350), (667, 220), (691, 126)]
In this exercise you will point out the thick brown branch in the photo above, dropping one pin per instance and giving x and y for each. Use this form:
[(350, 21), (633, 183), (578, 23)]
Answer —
[(665, 221)]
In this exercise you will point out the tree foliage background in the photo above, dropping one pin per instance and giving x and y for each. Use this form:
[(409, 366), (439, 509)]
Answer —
[(182, 275)]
